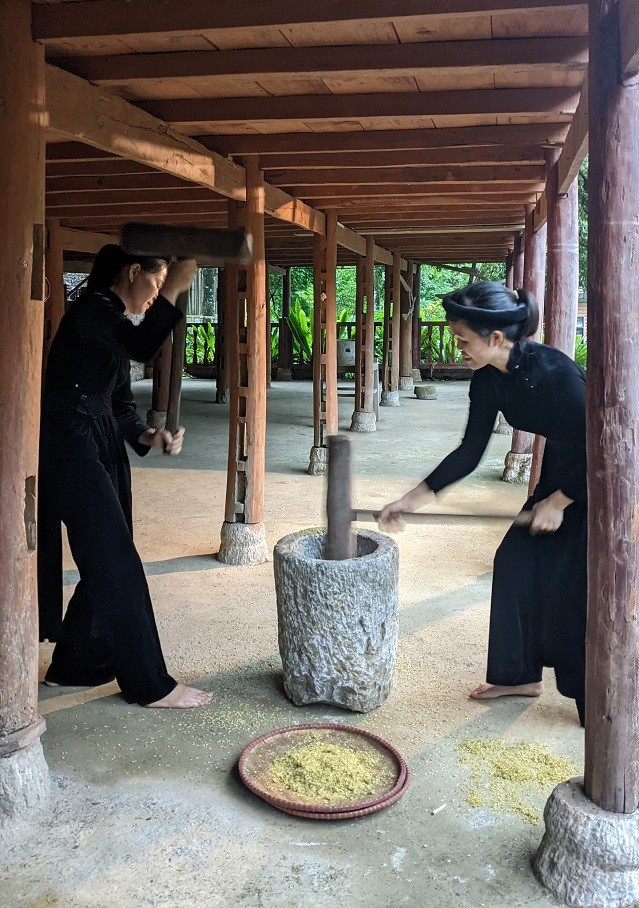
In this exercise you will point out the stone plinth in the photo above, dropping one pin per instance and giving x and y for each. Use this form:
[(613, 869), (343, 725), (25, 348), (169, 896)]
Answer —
[(588, 857), (503, 427), (389, 399), (337, 620), (156, 419), (425, 392), (345, 354), (416, 374), (406, 383), (363, 421), (517, 468), (243, 543), (284, 374), (24, 781), (318, 465)]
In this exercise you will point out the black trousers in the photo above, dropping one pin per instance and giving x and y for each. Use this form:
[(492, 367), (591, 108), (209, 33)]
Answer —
[(538, 607), (109, 628)]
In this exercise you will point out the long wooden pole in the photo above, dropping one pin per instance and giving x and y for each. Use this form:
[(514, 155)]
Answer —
[(340, 541), (396, 320), (285, 348), (612, 650), (416, 329), (22, 240)]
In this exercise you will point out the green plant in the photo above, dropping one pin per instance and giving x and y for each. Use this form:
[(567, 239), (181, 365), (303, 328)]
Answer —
[(200, 343), (302, 329), (581, 352)]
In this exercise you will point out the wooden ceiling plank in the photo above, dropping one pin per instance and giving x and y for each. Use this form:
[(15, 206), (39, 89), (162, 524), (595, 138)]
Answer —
[(445, 157), (96, 18), (388, 60), (509, 101), (412, 175)]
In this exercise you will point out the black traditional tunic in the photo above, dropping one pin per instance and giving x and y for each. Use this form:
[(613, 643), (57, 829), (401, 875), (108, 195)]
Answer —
[(538, 606), (85, 481)]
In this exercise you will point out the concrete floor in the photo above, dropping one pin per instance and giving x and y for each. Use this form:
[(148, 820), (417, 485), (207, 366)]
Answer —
[(146, 806)]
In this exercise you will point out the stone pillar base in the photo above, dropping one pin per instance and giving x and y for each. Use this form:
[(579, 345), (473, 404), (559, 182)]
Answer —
[(284, 375), (406, 383), (517, 468), (156, 419), (389, 399), (362, 421), (24, 781), (223, 396), (503, 427), (243, 543), (425, 392), (588, 857), (416, 374), (319, 462)]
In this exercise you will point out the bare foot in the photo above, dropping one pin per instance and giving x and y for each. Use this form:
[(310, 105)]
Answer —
[(183, 697), (494, 691)]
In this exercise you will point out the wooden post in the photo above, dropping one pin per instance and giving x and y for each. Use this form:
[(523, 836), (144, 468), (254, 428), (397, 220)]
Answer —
[(363, 416), (55, 292), (406, 382), (612, 651), (267, 326), (340, 542), (243, 535), (325, 411), (562, 294), (386, 358), (518, 263), (510, 270), (285, 347), (24, 777), (416, 329), (517, 467), (222, 393)]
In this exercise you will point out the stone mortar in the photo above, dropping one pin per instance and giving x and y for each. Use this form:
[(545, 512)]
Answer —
[(425, 392), (588, 857), (337, 620)]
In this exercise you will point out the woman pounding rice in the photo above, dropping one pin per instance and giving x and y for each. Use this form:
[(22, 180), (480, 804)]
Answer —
[(88, 412), (538, 604)]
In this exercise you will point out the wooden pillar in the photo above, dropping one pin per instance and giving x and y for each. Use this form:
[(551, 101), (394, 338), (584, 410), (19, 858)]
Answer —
[(325, 411), (562, 282), (612, 652), (267, 326), (24, 778), (518, 262), (517, 467), (364, 416), (406, 382), (243, 536), (510, 270), (416, 329), (55, 292), (386, 358), (222, 393), (285, 346)]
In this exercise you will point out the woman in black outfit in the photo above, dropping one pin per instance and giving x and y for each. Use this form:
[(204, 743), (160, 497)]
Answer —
[(85, 480), (538, 605)]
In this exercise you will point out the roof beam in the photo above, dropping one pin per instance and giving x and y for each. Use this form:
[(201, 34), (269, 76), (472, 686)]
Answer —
[(362, 190), (410, 175), (576, 146), (386, 140), (83, 240), (94, 18), (389, 60), (400, 157), (310, 108), (82, 112)]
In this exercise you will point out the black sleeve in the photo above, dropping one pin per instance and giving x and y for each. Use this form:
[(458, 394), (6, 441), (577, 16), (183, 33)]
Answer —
[(481, 420), (99, 321), (567, 388), (126, 414)]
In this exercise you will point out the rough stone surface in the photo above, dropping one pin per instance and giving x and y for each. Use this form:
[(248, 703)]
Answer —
[(588, 857), (406, 383), (318, 465), (284, 374), (24, 781), (337, 620), (243, 543), (362, 421), (156, 418), (503, 427), (390, 399), (223, 397), (345, 353), (417, 375), (517, 468), (137, 371), (425, 392)]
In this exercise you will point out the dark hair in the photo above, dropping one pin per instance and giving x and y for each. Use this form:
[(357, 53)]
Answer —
[(489, 305), (110, 261)]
